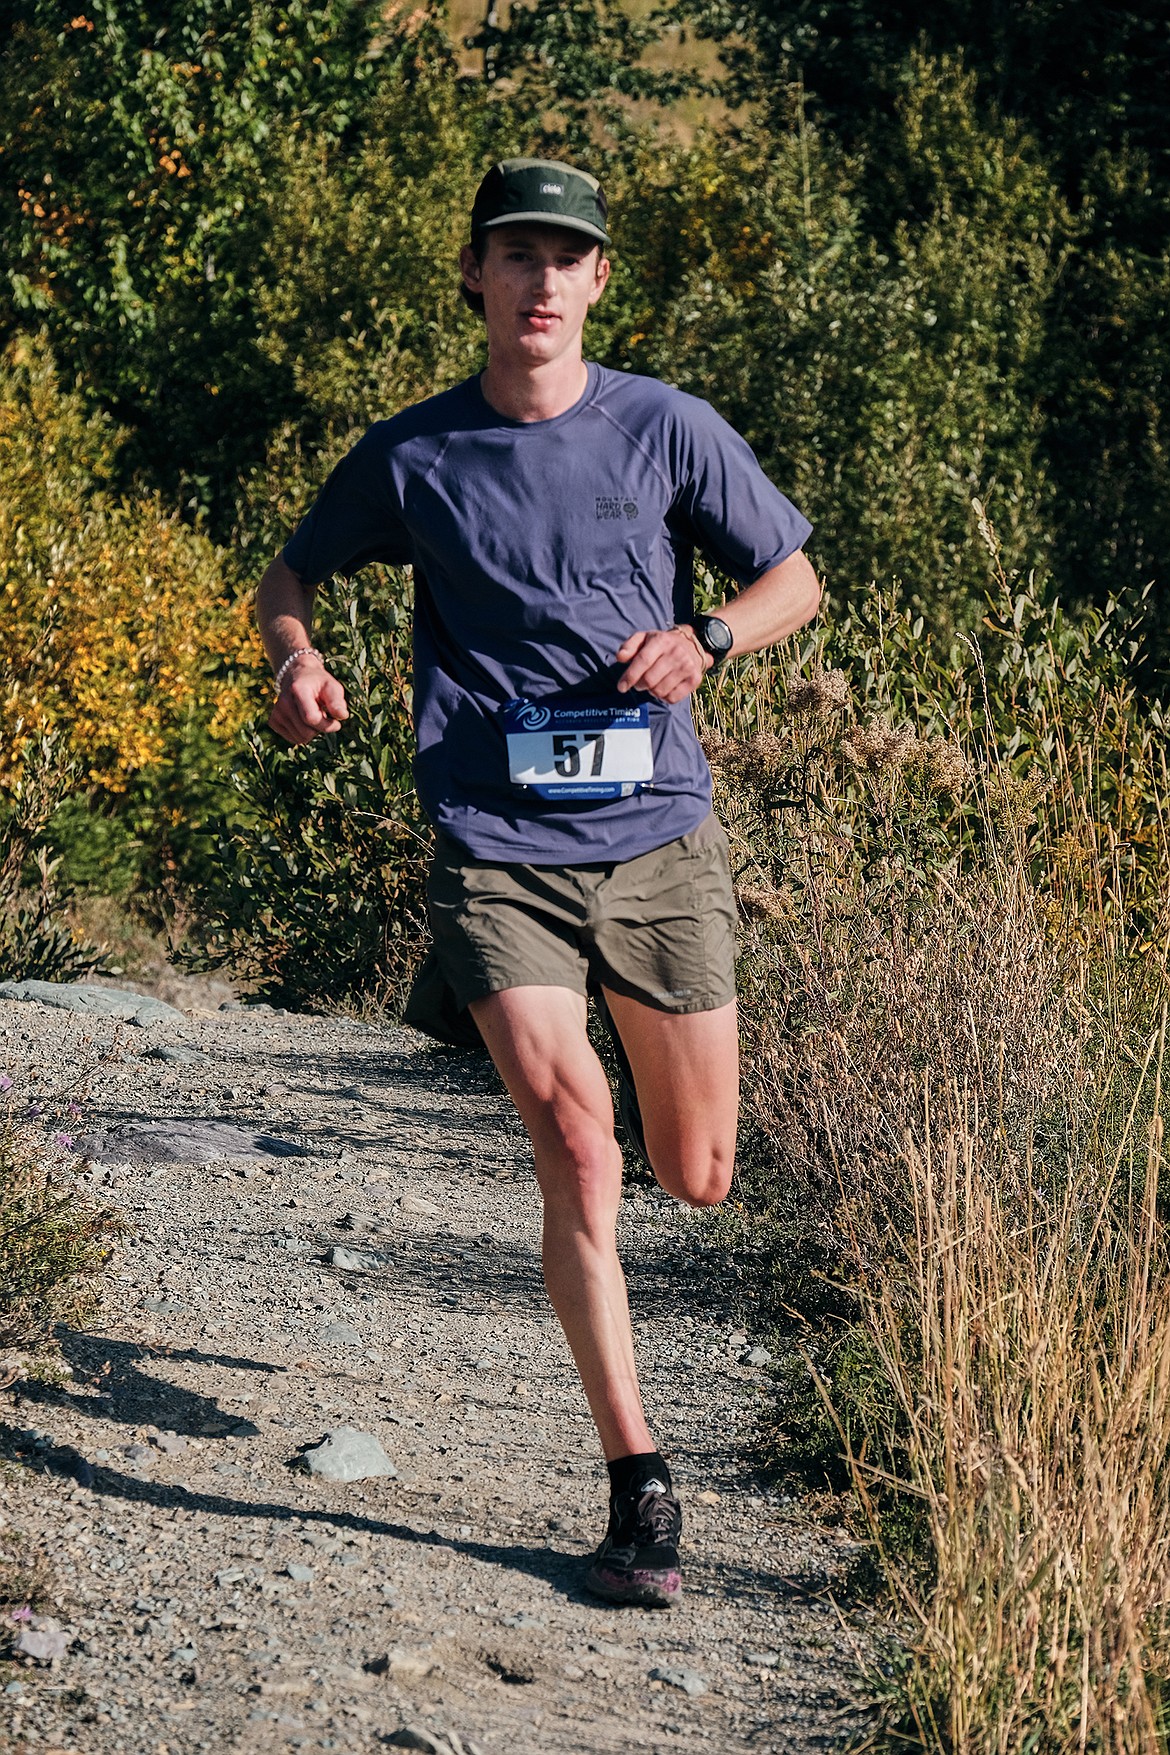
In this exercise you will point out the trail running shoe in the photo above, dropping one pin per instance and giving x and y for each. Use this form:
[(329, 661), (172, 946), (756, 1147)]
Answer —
[(638, 1560), (629, 1113)]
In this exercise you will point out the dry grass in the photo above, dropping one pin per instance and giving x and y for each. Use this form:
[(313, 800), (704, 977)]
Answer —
[(955, 1010), (53, 1243), (1027, 1345)]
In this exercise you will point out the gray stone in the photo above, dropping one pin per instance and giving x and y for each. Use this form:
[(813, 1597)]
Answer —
[(45, 1644), (14, 1688), (229, 1468), (170, 1443), (161, 1305), (184, 1142), (346, 1454), (183, 1654), (136, 1454), (101, 1002), (757, 1356), (229, 1575), (357, 1261), (339, 1334), (176, 1054), (688, 1680), (298, 1573), (762, 1660)]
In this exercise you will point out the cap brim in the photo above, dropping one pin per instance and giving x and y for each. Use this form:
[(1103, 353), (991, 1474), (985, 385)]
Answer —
[(554, 219)]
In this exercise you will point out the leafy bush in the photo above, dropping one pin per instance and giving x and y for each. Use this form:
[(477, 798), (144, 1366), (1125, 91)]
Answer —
[(315, 892), (35, 944), (116, 618)]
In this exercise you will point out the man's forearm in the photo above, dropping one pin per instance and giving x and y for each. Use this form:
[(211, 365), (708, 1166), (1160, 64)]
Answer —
[(284, 612), (780, 601)]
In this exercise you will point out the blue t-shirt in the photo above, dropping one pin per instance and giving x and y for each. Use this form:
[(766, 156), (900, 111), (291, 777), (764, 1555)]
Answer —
[(538, 547)]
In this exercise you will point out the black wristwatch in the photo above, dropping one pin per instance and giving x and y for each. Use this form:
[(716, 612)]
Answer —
[(714, 636)]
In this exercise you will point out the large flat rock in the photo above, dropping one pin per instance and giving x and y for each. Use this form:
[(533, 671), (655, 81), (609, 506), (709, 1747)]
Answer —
[(183, 1142), (98, 1002)]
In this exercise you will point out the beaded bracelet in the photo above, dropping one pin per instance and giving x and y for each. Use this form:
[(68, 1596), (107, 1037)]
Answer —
[(301, 652)]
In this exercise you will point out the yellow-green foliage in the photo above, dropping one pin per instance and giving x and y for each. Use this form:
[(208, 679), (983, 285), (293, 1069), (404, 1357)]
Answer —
[(115, 619)]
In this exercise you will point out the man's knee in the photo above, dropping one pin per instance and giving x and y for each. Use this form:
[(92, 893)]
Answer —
[(579, 1166), (698, 1174)]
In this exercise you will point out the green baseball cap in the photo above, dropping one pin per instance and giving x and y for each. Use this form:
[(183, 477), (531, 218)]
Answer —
[(542, 190)]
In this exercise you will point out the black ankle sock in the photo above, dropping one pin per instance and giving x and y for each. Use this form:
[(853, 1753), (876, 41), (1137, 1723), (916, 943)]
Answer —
[(629, 1474)]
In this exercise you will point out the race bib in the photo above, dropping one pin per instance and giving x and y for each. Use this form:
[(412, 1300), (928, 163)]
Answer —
[(578, 749)]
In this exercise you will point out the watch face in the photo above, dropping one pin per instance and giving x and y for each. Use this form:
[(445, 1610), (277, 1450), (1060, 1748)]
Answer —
[(714, 635)]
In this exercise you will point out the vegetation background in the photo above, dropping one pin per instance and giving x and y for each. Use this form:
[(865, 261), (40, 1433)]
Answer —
[(922, 260)]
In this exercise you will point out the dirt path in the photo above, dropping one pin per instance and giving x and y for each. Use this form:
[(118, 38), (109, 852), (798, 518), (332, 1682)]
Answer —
[(217, 1599)]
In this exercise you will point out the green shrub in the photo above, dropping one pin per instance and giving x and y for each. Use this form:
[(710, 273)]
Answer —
[(314, 892), (35, 942)]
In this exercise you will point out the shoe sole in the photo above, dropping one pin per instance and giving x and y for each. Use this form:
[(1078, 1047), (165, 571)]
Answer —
[(645, 1590)]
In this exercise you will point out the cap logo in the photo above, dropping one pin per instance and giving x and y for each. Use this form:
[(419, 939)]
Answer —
[(552, 188)]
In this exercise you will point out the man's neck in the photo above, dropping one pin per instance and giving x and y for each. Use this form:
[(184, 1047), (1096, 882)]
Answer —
[(534, 393)]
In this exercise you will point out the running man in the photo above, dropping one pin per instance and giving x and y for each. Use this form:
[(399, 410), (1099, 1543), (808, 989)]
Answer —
[(550, 509)]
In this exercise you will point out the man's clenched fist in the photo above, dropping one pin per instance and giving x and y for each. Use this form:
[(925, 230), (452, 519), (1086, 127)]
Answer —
[(311, 701)]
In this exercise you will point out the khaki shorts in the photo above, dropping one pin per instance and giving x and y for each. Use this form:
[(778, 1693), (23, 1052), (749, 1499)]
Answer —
[(659, 928)]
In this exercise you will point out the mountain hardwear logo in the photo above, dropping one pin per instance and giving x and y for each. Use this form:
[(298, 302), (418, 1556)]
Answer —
[(613, 506)]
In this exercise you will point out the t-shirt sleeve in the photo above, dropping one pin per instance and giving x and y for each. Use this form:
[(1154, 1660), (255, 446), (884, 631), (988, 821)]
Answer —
[(726, 504), (356, 518)]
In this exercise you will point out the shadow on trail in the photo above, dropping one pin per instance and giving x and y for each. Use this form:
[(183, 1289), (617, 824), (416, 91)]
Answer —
[(134, 1397), (558, 1568)]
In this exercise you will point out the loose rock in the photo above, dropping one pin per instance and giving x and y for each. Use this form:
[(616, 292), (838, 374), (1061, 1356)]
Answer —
[(348, 1455), (688, 1680), (340, 1334), (361, 1261), (413, 1737), (45, 1643)]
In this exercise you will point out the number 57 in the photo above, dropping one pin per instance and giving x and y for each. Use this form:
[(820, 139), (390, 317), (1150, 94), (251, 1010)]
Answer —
[(567, 754)]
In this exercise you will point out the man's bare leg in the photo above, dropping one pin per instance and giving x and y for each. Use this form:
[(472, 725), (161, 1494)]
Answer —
[(686, 1070), (537, 1038)]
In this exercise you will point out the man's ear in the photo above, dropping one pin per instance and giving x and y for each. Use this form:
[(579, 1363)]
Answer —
[(470, 268), (600, 278)]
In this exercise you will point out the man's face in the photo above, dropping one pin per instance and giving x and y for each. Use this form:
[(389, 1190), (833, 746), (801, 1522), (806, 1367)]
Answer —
[(538, 282)]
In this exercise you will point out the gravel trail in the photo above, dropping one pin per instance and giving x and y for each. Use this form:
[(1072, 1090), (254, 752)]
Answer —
[(215, 1597)]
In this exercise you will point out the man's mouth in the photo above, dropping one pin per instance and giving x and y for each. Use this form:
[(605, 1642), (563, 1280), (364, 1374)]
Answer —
[(542, 319)]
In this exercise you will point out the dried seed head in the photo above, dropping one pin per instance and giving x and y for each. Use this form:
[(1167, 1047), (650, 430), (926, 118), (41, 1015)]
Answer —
[(948, 768), (878, 748), (756, 761), (760, 903), (822, 691), (1012, 798)]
